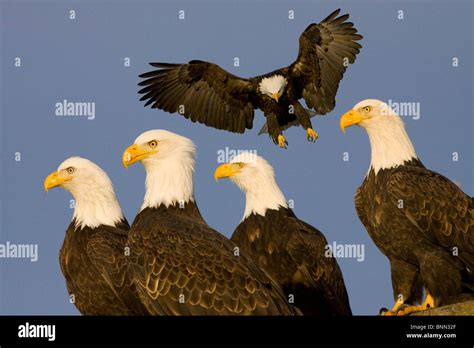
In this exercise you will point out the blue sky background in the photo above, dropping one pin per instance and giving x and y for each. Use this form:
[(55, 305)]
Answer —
[(407, 60)]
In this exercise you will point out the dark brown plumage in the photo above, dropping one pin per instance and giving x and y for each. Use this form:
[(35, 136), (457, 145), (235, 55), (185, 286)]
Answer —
[(183, 267), (204, 92), (93, 257), (95, 266), (417, 218), (293, 253)]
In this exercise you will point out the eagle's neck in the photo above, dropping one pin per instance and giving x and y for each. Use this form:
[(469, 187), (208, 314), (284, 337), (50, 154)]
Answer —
[(261, 195), (169, 181), (389, 142), (96, 206)]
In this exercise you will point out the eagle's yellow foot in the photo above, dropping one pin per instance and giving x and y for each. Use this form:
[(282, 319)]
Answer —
[(429, 303), (394, 310), (282, 141), (311, 135)]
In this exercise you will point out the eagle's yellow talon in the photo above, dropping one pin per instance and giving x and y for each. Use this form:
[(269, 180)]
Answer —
[(395, 308), (282, 141), (410, 309), (427, 304), (311, 135)]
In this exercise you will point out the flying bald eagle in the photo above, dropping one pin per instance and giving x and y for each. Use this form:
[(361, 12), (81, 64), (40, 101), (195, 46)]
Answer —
[(290, 250), (206, 93), (92, 256), (419, 219), (181, 265)]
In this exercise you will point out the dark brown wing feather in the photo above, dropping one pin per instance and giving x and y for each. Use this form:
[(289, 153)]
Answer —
[(94, 266), (437, 208), (107, 251), (183, 267), (417, 217), (202, 92), (294, 254), (307, 250), (325, 50), (360, 204)]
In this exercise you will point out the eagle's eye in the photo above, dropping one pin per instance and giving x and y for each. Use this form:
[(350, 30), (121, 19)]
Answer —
[(152, 143), (367, 108), (70, 170), (240, 165)]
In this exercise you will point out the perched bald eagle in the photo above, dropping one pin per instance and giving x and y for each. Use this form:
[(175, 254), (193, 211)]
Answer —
[(181, 265), (92, 257), (206, 93), (290, 250), (419, 219)]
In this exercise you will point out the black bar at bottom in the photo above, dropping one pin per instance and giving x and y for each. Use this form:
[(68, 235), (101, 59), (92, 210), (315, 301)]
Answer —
[(225, 330)]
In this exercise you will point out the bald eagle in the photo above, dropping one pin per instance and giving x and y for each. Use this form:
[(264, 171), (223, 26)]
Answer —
[(181, 265), (290, 250), (204, 92), (92, 257), (419, 219)]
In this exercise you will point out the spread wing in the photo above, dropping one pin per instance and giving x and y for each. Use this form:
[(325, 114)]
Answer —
[(202, 92), (182, 267), (324, 53), (437, 208)]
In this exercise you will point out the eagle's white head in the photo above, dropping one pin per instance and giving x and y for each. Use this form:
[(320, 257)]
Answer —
[(389, 142), (92, 190), (168, 159), (273, 86), (256, 178)]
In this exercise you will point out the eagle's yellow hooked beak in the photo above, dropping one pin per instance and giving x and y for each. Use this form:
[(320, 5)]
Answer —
[(276, 96), (54, 179), (351, 118), (135, 153), (225, 170)]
